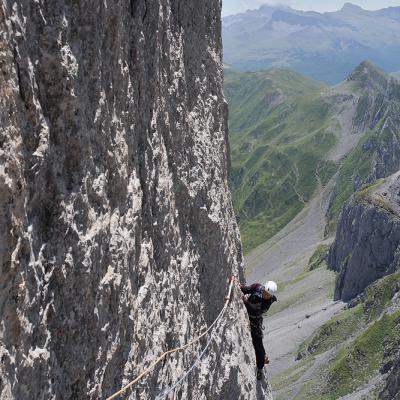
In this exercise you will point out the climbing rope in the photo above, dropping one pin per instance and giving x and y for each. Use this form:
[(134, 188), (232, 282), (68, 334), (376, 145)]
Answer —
[(162, 356), (200, 356), (186, 374)]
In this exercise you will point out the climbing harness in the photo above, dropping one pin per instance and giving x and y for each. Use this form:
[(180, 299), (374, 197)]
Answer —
[(154, 363)]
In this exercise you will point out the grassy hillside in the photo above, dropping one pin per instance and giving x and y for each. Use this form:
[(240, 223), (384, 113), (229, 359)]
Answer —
[(283, 126), (252, 95), (365, 337), (281, 129)]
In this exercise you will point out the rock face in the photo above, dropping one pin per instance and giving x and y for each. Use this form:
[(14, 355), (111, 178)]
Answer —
[(367, 244), (392, 386), (117, 229), (380, 110)]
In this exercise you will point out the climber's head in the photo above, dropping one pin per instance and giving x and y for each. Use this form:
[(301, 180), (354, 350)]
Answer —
[(270, 290), (266, 295)]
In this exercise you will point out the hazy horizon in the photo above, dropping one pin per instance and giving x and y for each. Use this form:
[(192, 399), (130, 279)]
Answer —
[(230, 7)]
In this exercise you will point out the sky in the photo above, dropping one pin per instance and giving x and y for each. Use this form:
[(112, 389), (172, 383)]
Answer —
[(236, 6)]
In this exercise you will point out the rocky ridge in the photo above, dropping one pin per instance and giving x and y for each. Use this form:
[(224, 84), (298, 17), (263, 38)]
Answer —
[(374, 132), (367, 234), (379, 109), (392, 387), (118, 233)]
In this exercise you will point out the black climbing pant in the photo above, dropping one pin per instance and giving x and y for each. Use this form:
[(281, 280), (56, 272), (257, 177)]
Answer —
[(257, 338)]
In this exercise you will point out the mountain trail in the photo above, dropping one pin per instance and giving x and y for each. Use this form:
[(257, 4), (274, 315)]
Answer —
[(296, 173)]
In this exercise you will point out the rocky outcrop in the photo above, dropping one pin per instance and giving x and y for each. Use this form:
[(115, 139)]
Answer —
[(367, 244), (385, 145), (378, 110), (369, 148), (391, 390), (118, 233)]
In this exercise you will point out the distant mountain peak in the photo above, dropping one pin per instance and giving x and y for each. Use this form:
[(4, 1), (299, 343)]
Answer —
[(324, 46), (369, 73), (370, 67), (351, 7)]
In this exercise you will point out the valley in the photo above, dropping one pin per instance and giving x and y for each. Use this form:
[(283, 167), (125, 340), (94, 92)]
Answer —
[(300, 151), (289, 134)]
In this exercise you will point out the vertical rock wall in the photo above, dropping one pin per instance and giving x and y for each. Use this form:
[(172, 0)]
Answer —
[(391, 390), (365, 249), (117, 230), (367, 243)]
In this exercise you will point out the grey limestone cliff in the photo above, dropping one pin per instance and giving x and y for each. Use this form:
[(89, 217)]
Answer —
[(367, 244), (117, 230), (391, 390)]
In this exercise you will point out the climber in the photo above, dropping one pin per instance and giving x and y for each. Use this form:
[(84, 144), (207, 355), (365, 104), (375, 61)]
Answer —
[(258, 299)]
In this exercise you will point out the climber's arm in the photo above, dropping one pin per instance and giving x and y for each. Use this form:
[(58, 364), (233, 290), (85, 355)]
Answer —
[(248, 289)]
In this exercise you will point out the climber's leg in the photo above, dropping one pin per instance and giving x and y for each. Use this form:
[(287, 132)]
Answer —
[(257, 338)]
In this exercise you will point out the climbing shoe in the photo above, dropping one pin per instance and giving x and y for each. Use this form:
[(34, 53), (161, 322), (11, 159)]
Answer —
[(259, 374)]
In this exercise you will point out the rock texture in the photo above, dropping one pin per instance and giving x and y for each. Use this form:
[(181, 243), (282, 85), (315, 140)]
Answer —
[(391, 390), (367, 244), (379, 109), (117, 229)]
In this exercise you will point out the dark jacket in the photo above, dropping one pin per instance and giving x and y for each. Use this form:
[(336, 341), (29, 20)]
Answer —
[(255, 304)]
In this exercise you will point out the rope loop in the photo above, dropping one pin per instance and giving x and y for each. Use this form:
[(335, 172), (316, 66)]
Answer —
[(181, 348)]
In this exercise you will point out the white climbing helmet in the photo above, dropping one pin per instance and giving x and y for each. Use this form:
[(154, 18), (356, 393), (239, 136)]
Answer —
[(271, 287)]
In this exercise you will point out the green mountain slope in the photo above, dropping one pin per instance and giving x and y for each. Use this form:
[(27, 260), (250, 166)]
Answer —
[(357, 344), (289, 135), (280, 134)]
